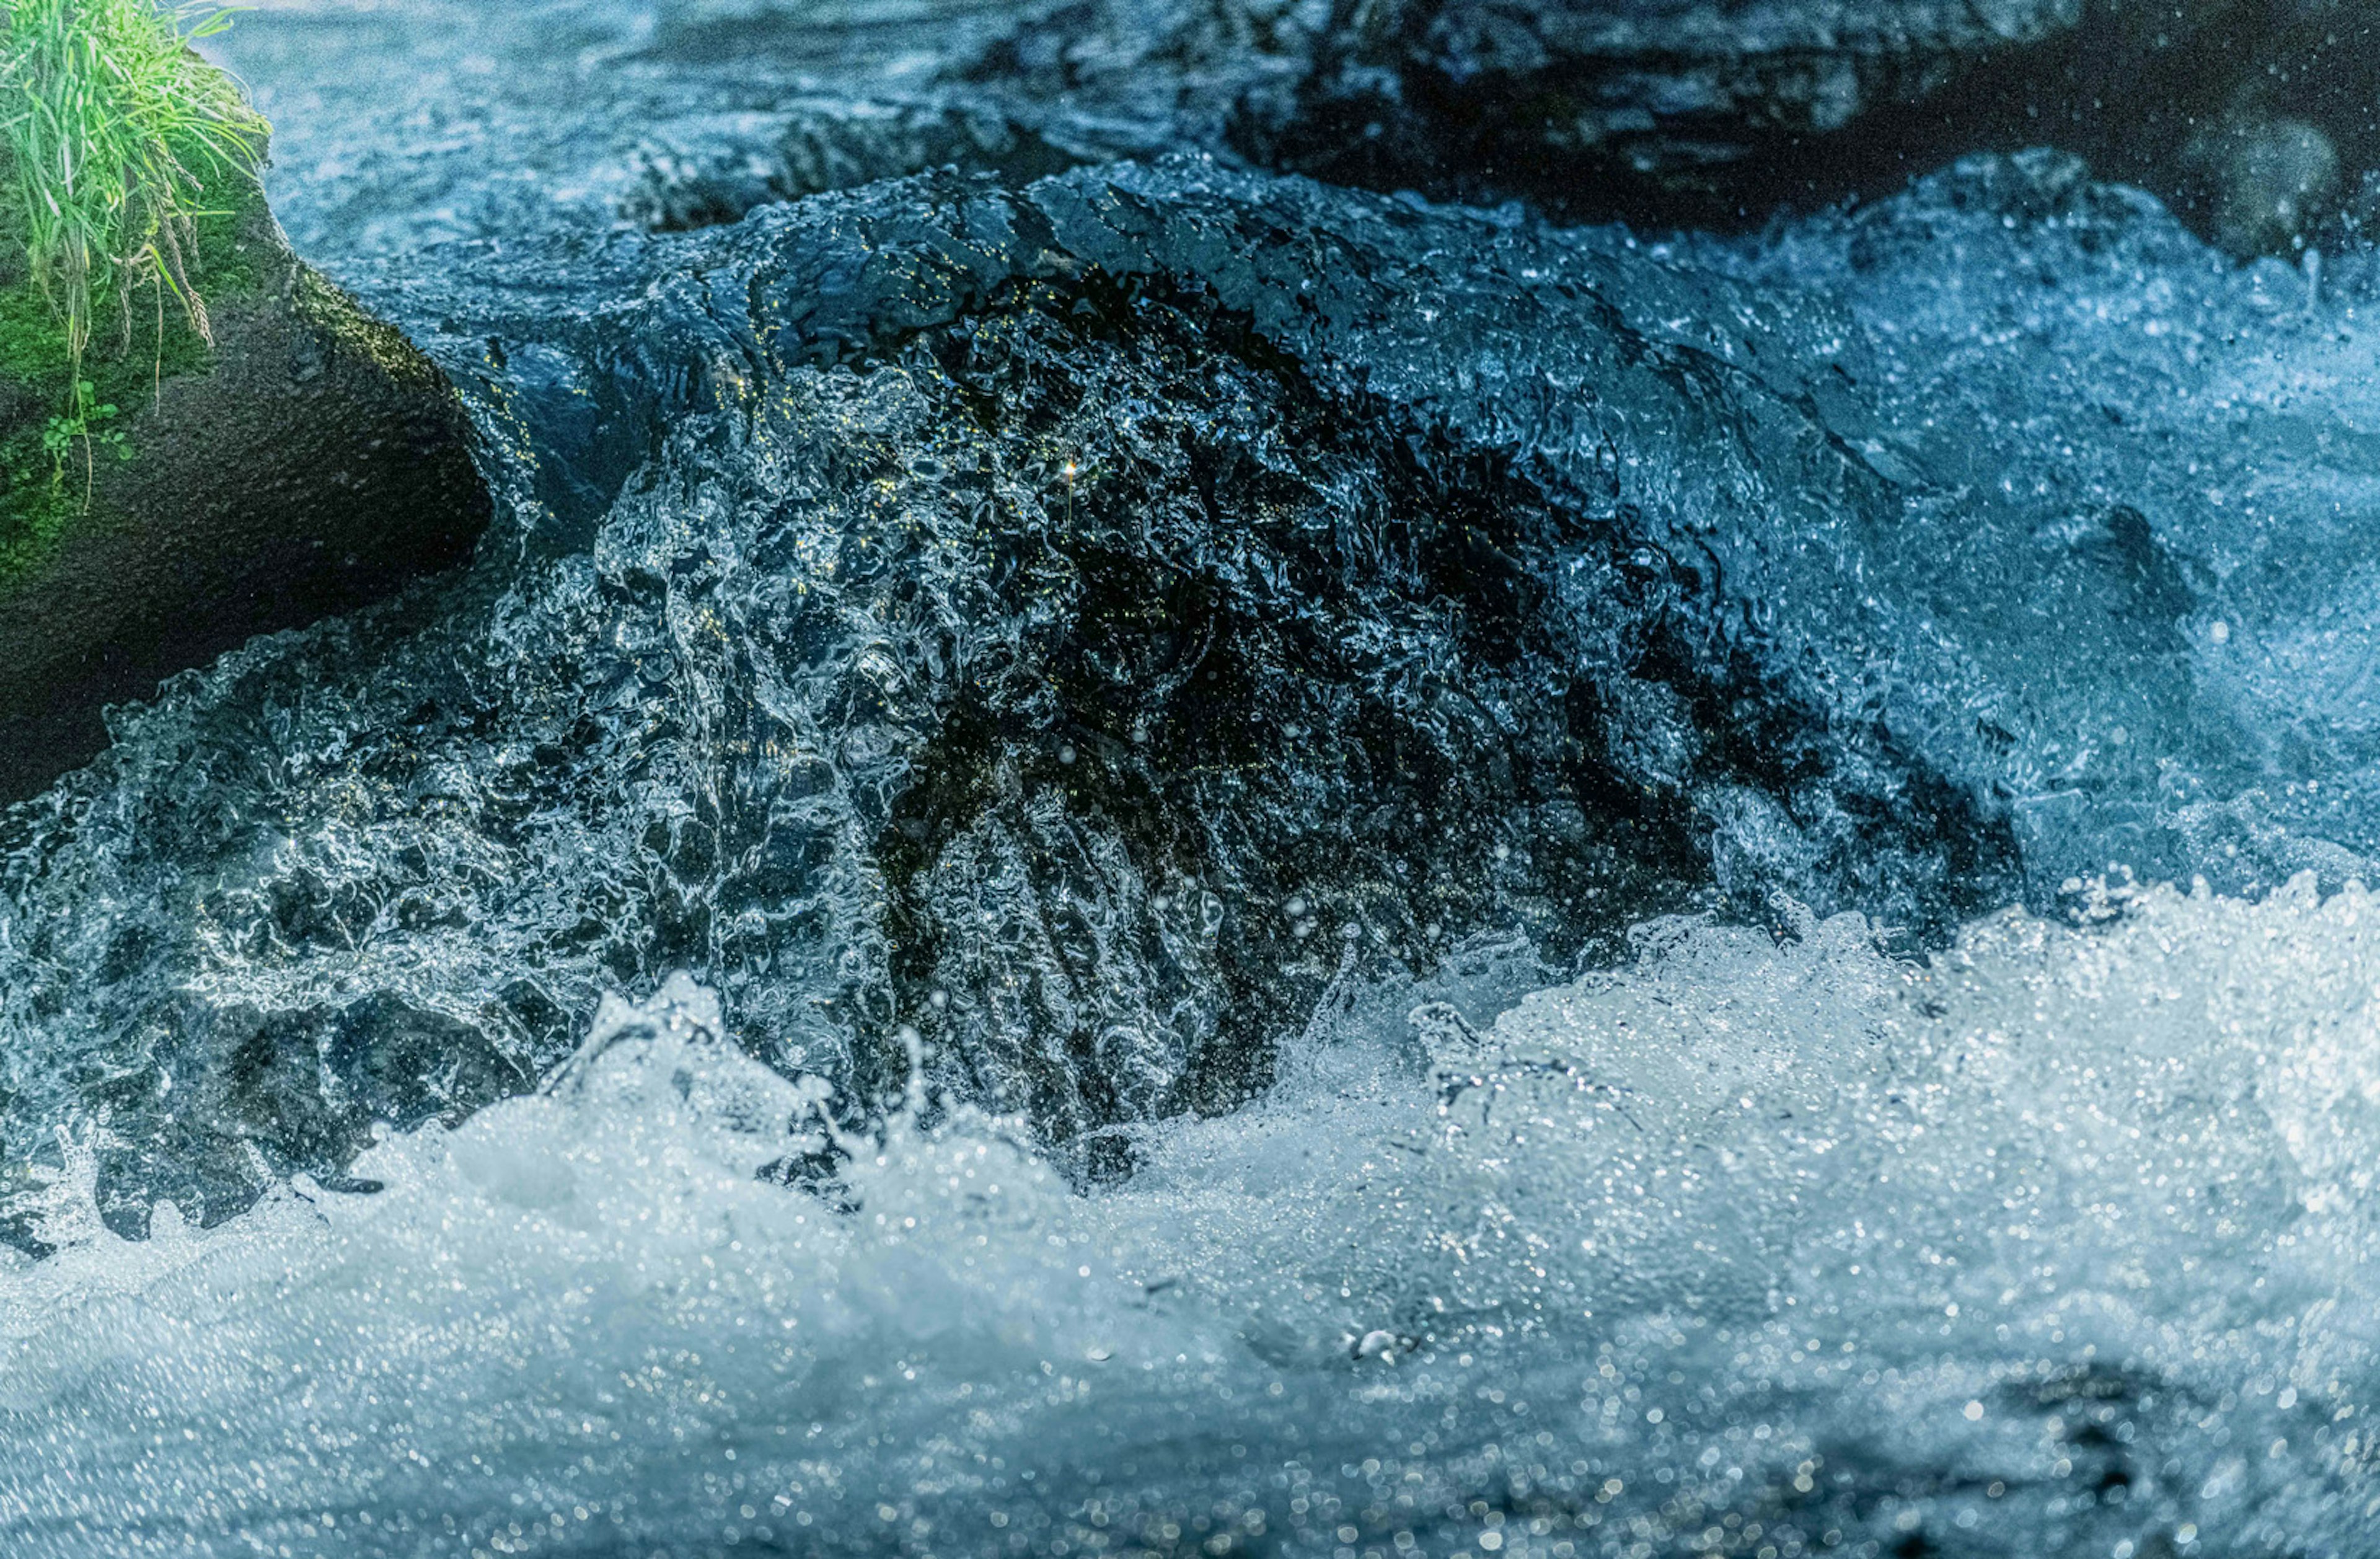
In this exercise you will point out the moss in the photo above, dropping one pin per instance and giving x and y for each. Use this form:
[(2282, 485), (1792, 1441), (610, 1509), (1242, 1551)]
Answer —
[(134, 350), (336, 316)]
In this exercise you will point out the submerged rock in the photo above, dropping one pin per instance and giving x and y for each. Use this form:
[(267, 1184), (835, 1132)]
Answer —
[(1056, 636), (305, 461)]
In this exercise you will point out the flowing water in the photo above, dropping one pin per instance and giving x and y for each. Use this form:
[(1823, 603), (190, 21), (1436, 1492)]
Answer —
[(1137, 858)]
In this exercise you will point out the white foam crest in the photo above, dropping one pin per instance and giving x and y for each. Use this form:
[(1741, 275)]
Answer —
[(2058, 1244)]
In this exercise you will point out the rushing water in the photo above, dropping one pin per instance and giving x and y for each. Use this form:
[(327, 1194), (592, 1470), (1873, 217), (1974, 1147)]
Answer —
[(2056, 1247), (1159, 860)]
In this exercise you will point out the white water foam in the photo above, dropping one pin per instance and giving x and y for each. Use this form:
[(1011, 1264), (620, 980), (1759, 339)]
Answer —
[(2058, 1246)]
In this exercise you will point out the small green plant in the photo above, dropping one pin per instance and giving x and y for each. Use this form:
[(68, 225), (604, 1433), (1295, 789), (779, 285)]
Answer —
[(115, 138), (82, 425)]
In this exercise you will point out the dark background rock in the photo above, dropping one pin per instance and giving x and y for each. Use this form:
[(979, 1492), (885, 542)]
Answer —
[(2242, 113), (2254, 118), (319, 463)]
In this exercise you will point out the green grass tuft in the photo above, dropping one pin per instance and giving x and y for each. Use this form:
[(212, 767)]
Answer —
[(129, 183), (119, 142)]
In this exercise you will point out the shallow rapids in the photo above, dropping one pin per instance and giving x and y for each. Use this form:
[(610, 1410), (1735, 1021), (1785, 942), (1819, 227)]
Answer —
[(2058, 1244), (1114, 854)]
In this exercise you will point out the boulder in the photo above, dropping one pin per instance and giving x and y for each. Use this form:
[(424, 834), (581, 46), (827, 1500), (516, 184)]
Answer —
[(1071, 638), (305, 462)]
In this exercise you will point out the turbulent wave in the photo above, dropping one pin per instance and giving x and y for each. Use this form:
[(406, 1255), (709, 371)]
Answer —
[(2055, 1244)]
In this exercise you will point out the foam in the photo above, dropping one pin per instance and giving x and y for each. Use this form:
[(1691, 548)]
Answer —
[(2057, 1245)]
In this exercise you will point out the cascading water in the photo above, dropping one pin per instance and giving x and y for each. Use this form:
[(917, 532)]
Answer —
[(1167, 860)]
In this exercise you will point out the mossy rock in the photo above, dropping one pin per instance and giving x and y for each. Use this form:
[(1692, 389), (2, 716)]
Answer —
[(306, 462)]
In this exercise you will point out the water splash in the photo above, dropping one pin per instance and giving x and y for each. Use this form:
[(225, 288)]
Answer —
[(2053, 1245)]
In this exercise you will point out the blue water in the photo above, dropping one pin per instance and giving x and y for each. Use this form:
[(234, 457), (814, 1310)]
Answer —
[(521, 1070)]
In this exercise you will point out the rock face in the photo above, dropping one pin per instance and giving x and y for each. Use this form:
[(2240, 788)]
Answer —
[(1692, 111), (313, 462), (1579, 104)]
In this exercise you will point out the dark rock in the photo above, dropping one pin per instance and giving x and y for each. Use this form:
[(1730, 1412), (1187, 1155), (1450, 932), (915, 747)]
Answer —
[(1580, 105), (1692, 112), (1407, 587), (314, 463)]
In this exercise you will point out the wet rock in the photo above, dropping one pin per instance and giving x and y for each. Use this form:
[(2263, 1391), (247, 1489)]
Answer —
[(1683, 111), (1266, 706), (308, 461), (1548, 580), (1058, 635), (1667, 109)]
